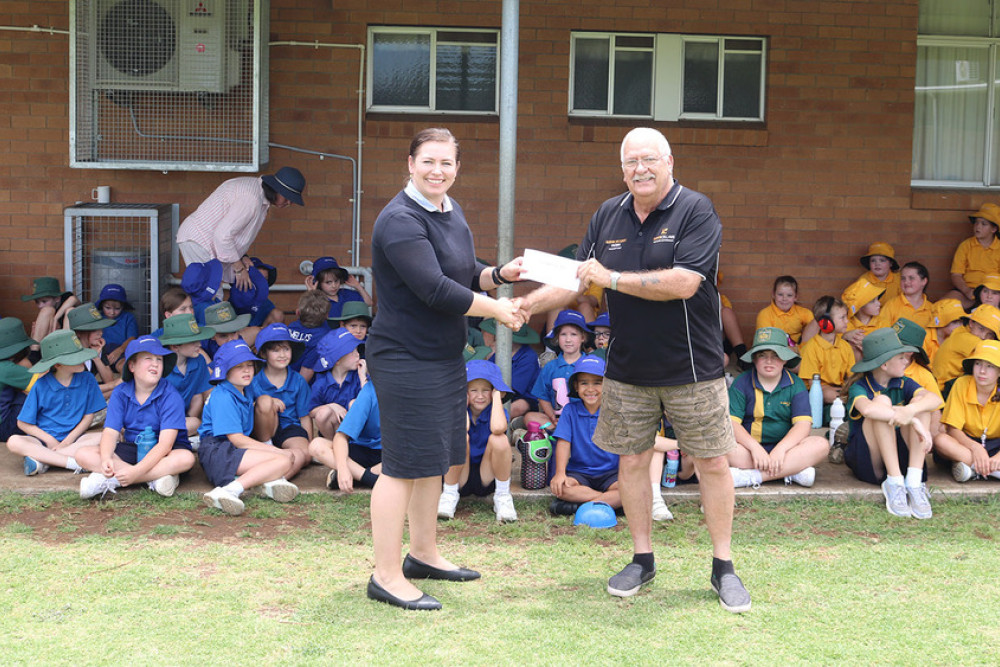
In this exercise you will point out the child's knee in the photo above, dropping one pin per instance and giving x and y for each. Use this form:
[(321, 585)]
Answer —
[(320, 446)]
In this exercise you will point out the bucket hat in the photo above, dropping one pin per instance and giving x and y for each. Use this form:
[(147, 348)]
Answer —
[(202, 281), (985, 350), (223, 318), (231, 354), (43, 287), (288, 182), (568, 316), (588, 363), (353, 310), (87, 318), (13, 339), (249, 300), (774, 339), (859, 293), (911, 333), (879, 347), (327, 263), (272, 272), (947, 311), (114, 292), (596, 515), (603, 320), (62, 347), (525, 335), (149, 344), (478, 352), (278, 332), (183, 328), (989, 212), (332, 347), (880, 248), (480, 369), (987, 316)]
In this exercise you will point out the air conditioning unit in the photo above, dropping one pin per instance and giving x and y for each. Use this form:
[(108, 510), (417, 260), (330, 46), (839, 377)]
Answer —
[(167, 45)]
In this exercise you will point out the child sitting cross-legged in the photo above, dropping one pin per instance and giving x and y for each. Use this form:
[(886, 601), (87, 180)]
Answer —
[(827, 353), (355, 452), (189, 375), (309, 329), (143, 399), (232, 459), (340, 374), (114, 305), (222, 318), (769, 407)]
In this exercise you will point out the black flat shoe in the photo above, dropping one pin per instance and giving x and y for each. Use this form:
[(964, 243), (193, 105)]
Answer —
[(379, 594), (415, 569)]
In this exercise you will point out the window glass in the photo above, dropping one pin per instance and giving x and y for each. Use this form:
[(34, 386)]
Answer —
[(701, 77), (590, 74), (955, 17), (633, 83), (401, 69), (741, 86), (466, 77)]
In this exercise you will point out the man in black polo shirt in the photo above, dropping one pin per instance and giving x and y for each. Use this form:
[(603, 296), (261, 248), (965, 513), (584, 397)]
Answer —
[(655, 251)]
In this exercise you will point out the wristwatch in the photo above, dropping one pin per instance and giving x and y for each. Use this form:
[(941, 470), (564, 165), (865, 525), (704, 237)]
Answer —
[(615, 275)]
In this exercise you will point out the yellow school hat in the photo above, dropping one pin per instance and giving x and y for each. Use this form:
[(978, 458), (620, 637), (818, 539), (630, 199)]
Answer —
[(985, 350), (859, 293), (988, 316), (990, 212), (947, 311), (880, 248)]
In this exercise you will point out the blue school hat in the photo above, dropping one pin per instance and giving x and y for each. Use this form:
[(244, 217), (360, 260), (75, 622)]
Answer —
[(596, 515), (332, 347), (149, 344), (480, 369), (603, 320), (114, 292), (327, 263), (274, 333), (202, 281), (272, 272), (233, 353), (588, 363), (250, 300), (569, 316)]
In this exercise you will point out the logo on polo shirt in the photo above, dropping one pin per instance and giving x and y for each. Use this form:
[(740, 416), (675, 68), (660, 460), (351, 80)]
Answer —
[(664, 236), (614, 244)]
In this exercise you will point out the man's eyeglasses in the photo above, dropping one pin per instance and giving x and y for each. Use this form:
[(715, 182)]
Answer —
[(647, 161)]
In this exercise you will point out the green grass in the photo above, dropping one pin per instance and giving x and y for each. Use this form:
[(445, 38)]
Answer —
[(832, 582)]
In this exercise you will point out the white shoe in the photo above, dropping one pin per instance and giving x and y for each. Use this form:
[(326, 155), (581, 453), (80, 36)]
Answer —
[(95, 483), (223, 500), (503, 505), (962, 472), (281, 490), (746, 477), (166, 485), (806, 477), (660, 510), (447, 505), (195, 441)]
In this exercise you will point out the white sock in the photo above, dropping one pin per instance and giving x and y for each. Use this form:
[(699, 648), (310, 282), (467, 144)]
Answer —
[(71, 464), (914, 477), (995, 474), (503, 487), (896, 480), (656, 491), (235, 488), (452, 489)]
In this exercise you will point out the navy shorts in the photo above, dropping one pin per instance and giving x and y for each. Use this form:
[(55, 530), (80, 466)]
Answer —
[(290, 431), (366, 457), (597, 482), (126, 451), (220, 459), (858, 458), (8, 426), (474, 485)]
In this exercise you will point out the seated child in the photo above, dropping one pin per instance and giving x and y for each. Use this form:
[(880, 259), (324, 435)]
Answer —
[(340, 374), (988, 291), (977, 255), (524, 367), (551, 389), (488, 453), (189, 375), (863, 308), (254, 299), (281, 397), (143, 399), (912, 302), (827, 353), (982, 324), (59, 408), (173, 301), (333, 280), (784, 313), (15, 378), (918, 370), (309, 329), (665, 441), (356, 317), (53, 304), (234, 461), (948, 314), (889, 416), (602, 335), (203, 283), (971, 439), (113, 304), (773, 436), (227, 325), (882, 267), (583, 471), (355, 453), (88, 325)]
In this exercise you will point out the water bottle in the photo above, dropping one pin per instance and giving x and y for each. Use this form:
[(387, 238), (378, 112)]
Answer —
[(836, 417), (145, 442), (670, 470), (534, 431), (816, 401)]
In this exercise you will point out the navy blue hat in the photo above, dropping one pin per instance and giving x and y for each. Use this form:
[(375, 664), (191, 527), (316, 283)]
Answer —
[(568, 317), (115, 293), (251, 299), (149, 344), (202, 281), (588, 363), (603, 320), (233, 353), (479, 369), (327, 263), (274, 333), (288, 182), (272, 272), (332, 347)]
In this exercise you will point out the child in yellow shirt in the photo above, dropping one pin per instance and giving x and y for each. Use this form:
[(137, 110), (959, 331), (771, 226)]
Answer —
[(784, 313), (827, 353), (882, 270), (947, 317), (976, 256), (983, 324), (863, 309)]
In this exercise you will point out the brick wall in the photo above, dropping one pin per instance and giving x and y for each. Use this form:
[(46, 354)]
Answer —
[(803, 193)]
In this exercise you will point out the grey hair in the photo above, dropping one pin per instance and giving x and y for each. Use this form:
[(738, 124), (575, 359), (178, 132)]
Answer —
[(646, 132)]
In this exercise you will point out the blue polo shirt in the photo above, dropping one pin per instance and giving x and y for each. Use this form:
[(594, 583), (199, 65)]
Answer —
[(310, 336), (193, 381), (899, 390), (125, 327), (326, 390), (57, 409), (768, 415), (552, 375), (343, 296), (479, 433), (227, 411), (576, 426), (294, 393), (524, 371), (362, 424), (164, 409)]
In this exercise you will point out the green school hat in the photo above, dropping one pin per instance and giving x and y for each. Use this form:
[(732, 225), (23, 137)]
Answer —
[(183, 328), (879, 347), (525, 335), (62, 347), (353, 310), (774, 339), (13, 339), (911, 333), (476, 353), (43, 287), (223, 318), (87, 318)]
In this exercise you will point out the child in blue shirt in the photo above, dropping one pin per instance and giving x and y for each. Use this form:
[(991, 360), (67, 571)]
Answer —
[(488, 455), (524, 366), (143, 399), (583, 471), (231, 458), (88, 325), (189, 375), (340, 374), (203, 283), (281, 397), (355, 452), (114, 305), (330, 278), (551, 388), (222, 318), (59, 408), (254, 300), (309, 329), (15, 378)]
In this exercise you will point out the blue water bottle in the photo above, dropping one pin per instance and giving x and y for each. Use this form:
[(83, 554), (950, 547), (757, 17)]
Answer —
[(670, 470), (145, 442), (816, 401)]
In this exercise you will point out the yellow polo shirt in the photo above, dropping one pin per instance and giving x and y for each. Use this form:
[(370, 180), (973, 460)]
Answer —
[(953, 351), (963, 411), (974, 262), (832, 361), (923, 377), (901, 307), (791, 322), (890, 285)]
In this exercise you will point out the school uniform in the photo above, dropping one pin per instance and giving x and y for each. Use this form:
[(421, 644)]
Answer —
[(953, 351), (588, 463), (791, 322), (228, 410), (15, 381), (891, 285), (964, 412), (923, 377), (310, 336), (343, 296), (479, 435), (900, 306), (362, 426), (294, 393), (832, 361), (768, 415), (193, 381), (125, 327), (867, 327), (326, 390), (56, 409), (92, 367), (164, 409), (524, 370), (552, 383), (974, 262)]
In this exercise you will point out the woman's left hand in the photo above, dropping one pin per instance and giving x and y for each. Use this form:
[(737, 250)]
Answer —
[(513, 269), (508, 312)]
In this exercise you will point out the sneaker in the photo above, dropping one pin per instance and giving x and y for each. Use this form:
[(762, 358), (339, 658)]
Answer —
[(745, 477), (447, 505), (733, 595), (836, 454), (563, 507), (503, 505), (627, 582), (660, 510), (95, 483), (920, 503), (223, 500), (895, 499), (195, 441), (166, 485), (962, 472), (281, 490), (331, 480), (33, 467), (806, 477)]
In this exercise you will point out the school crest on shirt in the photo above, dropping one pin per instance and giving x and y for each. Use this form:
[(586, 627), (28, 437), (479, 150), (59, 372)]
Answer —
[(664, 236)]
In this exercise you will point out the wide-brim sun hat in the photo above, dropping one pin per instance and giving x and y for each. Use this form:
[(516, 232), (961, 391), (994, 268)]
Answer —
[(183, 328), (879, 347), (985, 350), (352, 310), (569, 316), (326, 264), (231, 354), (288, 182), (202, 281), (480, 369), (332, 347), (596, 515), (275, 333), (946, 311), (13, 338), (223, 318), (43, 287), (603, 320), (911, 333), (114, 292), (880, 248), (860, 293), (477, 353), (990, 282), (525, 335), (62, 347), (987, 316), (249, 300), (149, 344), (774, 339), (588, 363), (87, 318), (987, 211)]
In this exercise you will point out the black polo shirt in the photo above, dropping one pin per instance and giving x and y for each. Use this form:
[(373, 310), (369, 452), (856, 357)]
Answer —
[(661, 343)]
